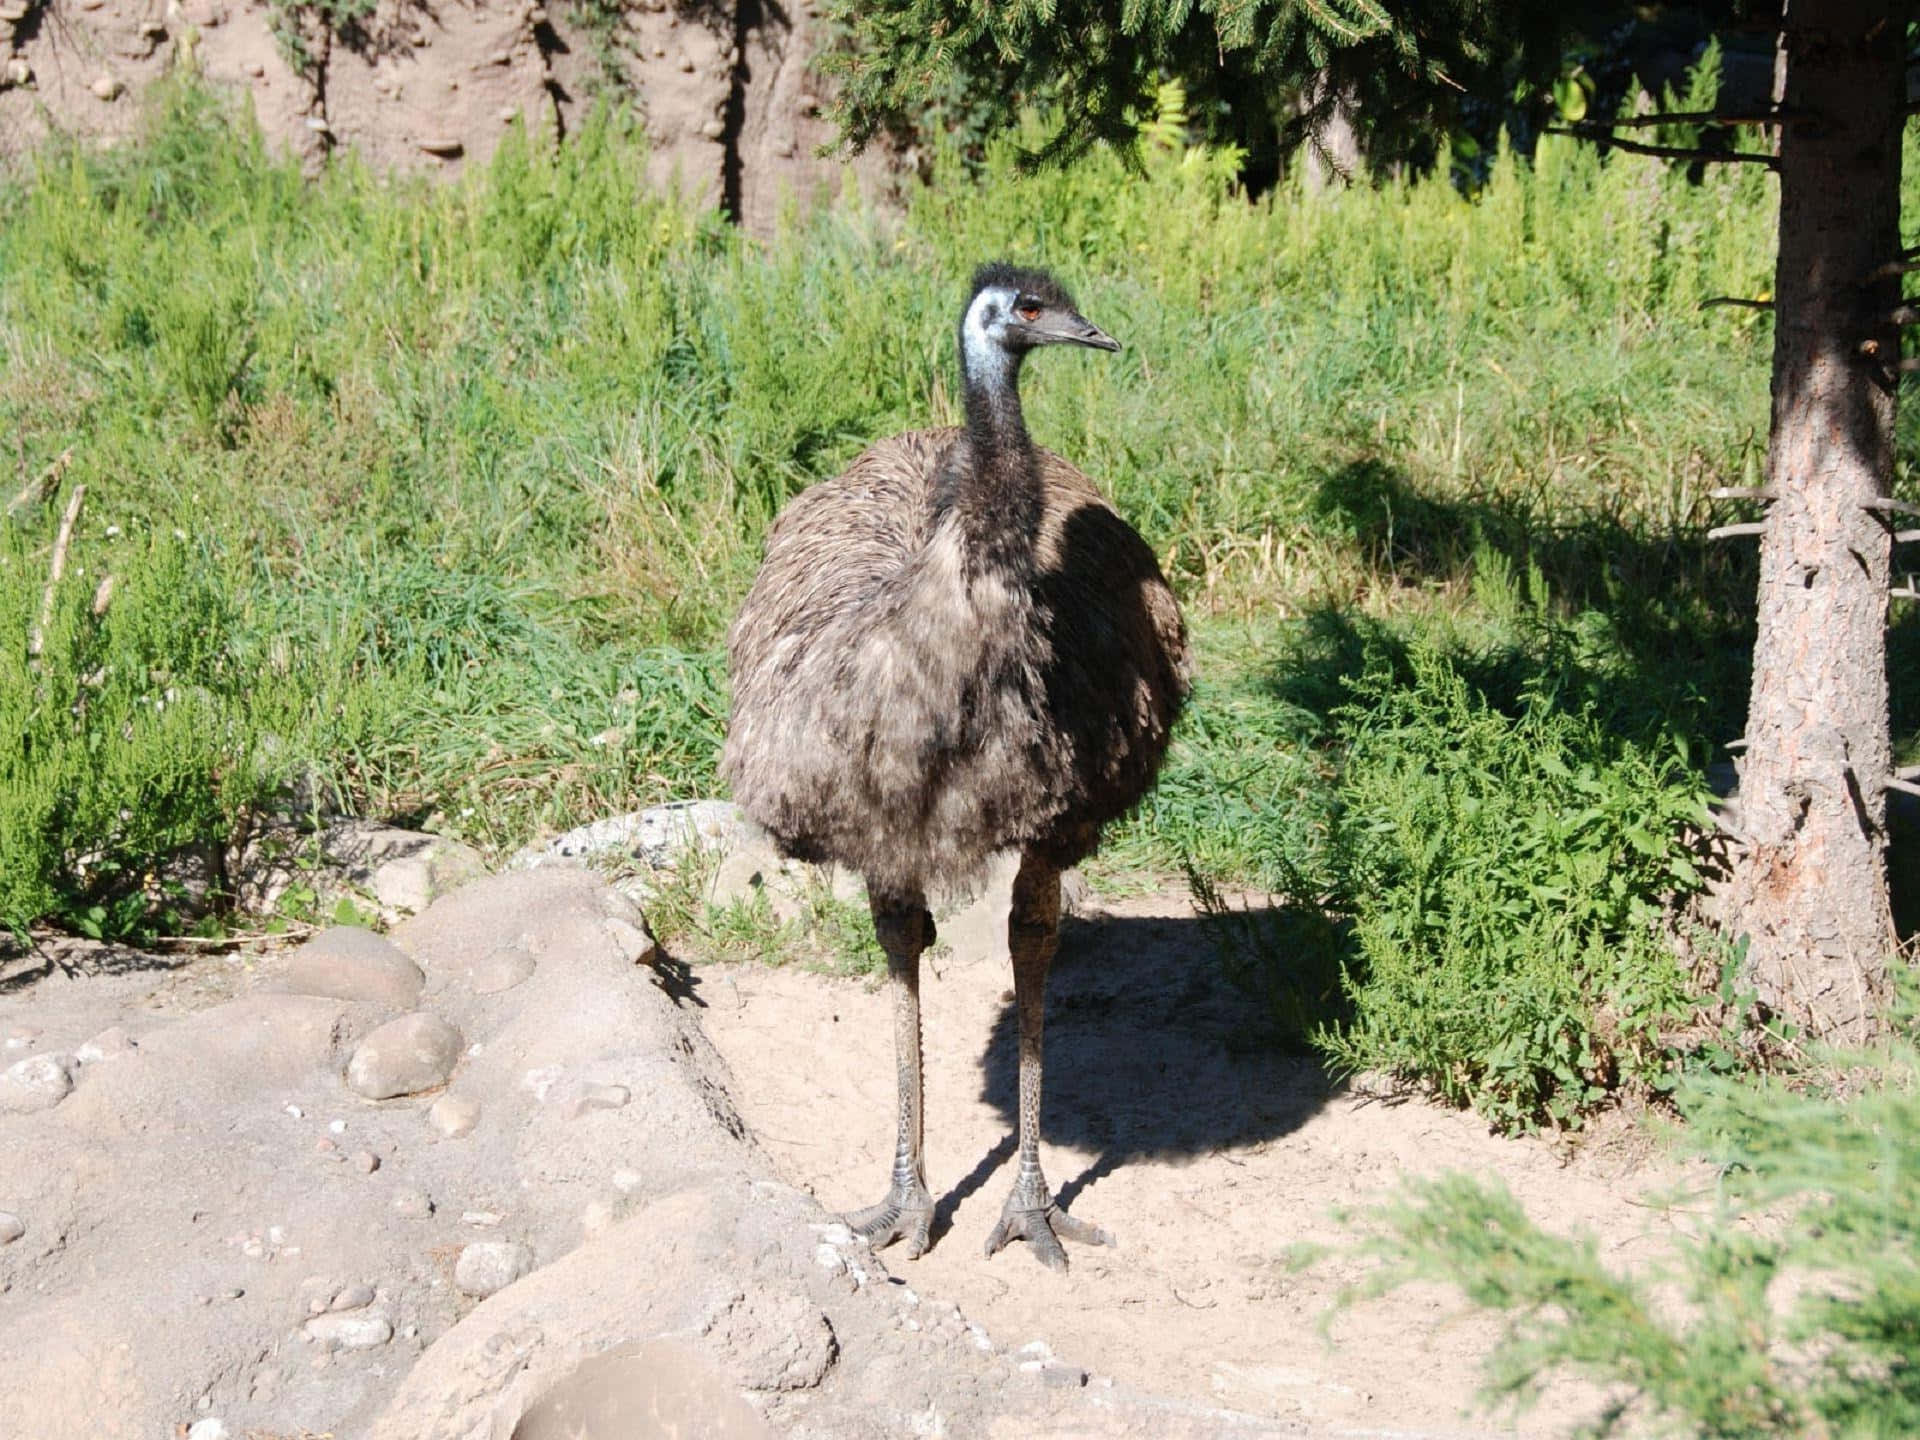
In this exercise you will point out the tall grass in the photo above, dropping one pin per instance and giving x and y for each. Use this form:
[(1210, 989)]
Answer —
[(441, 495)]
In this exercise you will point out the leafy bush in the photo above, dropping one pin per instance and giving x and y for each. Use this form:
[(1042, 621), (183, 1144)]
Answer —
[(1802, 1285), (1506, 876)]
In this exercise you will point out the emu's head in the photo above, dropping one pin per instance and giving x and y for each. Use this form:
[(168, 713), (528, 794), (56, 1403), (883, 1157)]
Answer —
[(1013, 310)]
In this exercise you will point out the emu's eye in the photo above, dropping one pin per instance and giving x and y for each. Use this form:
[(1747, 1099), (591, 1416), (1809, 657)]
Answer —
[(1028, 309)]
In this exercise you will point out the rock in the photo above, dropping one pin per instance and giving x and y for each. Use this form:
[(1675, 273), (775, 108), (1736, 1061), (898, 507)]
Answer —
[(106, 88), (351, 963), (714, 129), (596, 1217), (501, 970), (19, 72), (454, 1115), (659, 835), (39, 1082), (598, 1097), (110, 1044), (405, 1056), (354, 1330), (441, 148), (11, 1227), (20, 1037), (354, 1297), (211, 1428), (365, 1161), (403, 870), (487, 1267), (412, 1204), (636, 941)]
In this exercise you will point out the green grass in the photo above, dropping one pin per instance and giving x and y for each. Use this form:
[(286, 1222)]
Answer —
[(438, 498)]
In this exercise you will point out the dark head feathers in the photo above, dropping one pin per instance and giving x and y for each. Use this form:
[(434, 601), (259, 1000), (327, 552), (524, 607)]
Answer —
[(1029, 281)]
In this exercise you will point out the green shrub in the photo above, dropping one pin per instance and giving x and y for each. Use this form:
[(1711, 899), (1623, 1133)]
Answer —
[(1801, 1283), (1506, 876)]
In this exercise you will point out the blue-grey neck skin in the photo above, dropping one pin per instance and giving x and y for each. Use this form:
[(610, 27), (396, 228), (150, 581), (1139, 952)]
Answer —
[(993, 477)]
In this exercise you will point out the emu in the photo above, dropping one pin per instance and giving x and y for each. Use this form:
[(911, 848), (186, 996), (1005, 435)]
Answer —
[(954, 649)]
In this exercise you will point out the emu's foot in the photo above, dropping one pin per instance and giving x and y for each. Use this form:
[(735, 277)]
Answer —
[(906, 1214), (1043, 1228)]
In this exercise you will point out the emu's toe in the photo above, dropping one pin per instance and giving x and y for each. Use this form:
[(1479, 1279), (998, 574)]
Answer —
[(904, 1215), (1043, 1229)]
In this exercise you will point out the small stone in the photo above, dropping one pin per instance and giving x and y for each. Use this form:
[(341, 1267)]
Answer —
[(444, 147), (596, 1217), (106, 88), (354, 1297), (1036, 1350), (317, 1306), (232, 1292), (253, 1250), (487, 1267), (110, 1044), (686, 63), (410, 1331), (276, 1235), (454, 1115), (336, 1127), (411, 1204), (19, 72), (39, 1082), (326, 1146), (537, 15), (501, 970), (419, 40), (1063, 1377), (627, 1181), (20, 1037), (359, 1330), (713, 129), (351, 963), (318, 124), (211, 1428), (365, 1161), (485, 1219), (11, 1227), (256, 70), (414, 1053), (295, 1111), (500, 57), (599, 1097), (508, 114), (636, 942)]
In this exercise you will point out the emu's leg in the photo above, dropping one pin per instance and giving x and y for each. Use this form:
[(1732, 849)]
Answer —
[(1030, 1213), (905, 929)]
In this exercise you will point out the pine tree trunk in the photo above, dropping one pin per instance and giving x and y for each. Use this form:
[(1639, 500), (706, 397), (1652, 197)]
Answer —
[(1809, 887)]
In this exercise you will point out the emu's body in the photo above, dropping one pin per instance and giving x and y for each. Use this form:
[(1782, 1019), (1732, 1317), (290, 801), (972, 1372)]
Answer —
[(953, 649)]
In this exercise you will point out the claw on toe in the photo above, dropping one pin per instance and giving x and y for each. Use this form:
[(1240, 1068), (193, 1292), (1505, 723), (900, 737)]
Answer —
[(1043, 1229), (898, 1217)]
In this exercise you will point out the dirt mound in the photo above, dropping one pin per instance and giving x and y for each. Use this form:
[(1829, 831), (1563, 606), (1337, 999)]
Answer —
[(729, 100)]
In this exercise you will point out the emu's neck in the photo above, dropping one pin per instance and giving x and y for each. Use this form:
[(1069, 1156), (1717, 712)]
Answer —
[(991, 479)]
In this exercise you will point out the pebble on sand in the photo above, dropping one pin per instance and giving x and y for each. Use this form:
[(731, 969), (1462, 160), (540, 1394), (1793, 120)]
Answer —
[(39, 1082), (454, 1115), (351, 1330), (500, 970), (598, 1097), (109, 1044), (489, 1266), (349, 963), (11, 1228), (404, 1056), (411, 1204)]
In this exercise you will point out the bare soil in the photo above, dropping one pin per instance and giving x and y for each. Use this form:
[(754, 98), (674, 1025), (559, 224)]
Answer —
[(1209, 1158)]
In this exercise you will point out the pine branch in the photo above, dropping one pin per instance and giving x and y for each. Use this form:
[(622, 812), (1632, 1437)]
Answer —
[(1773, 115), (1730, 532), (1667, 152), (1742, 492), (1735, 300), (1889, 505)]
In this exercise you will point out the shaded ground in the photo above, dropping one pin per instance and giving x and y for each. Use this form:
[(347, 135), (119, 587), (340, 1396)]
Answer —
[(1208, 1159)]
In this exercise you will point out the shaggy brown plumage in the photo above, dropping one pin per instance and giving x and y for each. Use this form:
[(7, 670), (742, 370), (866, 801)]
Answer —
[(907, 714), (957, 648)]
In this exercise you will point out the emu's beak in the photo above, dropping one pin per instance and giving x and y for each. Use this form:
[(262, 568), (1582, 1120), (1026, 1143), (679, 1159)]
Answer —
[(1079, 330), (1073, 328)]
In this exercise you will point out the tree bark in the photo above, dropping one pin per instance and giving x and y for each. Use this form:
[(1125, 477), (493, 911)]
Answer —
[(1809, 887)]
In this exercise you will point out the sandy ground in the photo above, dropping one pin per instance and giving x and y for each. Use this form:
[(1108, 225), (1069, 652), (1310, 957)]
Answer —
[(1208, 1159)]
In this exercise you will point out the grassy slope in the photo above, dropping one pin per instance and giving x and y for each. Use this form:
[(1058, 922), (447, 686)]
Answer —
[(464, 481)]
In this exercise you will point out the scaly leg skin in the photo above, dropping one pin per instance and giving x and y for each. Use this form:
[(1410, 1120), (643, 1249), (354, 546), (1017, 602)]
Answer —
[(1030, 1213), (904, 929)]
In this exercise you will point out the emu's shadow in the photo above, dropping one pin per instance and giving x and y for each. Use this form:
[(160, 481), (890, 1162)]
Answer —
[(1151, 1051)]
